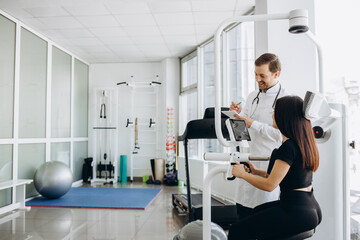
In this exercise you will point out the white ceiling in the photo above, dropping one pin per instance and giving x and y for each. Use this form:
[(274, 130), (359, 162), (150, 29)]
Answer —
[(103, 31)]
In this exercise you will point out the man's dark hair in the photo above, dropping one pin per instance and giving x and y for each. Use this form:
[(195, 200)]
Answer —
[(271, 59)]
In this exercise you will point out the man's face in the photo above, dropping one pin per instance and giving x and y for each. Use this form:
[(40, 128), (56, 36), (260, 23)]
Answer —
[(264, 77)]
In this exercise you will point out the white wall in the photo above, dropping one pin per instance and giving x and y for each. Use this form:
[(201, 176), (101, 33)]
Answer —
[(170, 97), (296, 52), (338, 33), (106, 76)]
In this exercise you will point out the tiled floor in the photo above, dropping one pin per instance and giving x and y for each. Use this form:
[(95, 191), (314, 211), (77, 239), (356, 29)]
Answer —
[(158, 222)]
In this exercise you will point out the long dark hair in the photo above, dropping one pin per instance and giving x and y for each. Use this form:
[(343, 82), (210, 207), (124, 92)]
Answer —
[(292, 124)]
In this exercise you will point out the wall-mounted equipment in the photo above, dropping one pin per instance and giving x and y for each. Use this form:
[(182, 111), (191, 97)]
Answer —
[(105, 136)]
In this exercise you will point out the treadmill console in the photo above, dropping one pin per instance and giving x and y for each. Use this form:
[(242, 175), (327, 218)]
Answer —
[(239, 130)]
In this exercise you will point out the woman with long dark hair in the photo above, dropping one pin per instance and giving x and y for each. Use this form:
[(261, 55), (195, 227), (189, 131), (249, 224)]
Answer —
[(291, 166)]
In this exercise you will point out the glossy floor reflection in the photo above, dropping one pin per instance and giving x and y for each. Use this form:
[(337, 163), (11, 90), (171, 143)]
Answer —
[(158, 222)]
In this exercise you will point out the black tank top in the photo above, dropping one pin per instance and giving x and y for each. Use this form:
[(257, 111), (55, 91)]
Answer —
[(297, 176)]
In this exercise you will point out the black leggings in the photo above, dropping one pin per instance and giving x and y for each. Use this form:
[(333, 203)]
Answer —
[(295, 212)]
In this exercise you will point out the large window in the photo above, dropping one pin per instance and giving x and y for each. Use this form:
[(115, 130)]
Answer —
[(189, 71), (189, 100), (241, 57), (209, 75), (210, 145), (198, 80)]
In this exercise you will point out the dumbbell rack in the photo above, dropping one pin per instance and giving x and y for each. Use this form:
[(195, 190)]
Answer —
[(170, 143)]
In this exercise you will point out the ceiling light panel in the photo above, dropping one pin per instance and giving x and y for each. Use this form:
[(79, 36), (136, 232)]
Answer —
[(29, 3), (115, 40), (88, 10), (208, 29), (123, 48), (108, 31), (215, 6), (211, 17), (189, 40), (115, 30), (47, 12), (142, 31), (169, 6), (153, 48), (174, 19), (99, 50), (60, 22), (20, 13), (35, 23), (177, 30), (88, 42), (127, 7), (74, 33), (98, 21), (136, 20), (202, 38), (148, 40)]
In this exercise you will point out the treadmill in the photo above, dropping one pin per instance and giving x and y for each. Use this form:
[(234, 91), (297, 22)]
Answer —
[(223, 212)]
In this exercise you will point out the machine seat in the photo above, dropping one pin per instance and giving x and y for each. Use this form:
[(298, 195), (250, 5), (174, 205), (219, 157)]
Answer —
[(298, 236)]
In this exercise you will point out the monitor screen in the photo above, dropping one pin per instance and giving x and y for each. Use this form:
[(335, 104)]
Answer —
[(240, 130)]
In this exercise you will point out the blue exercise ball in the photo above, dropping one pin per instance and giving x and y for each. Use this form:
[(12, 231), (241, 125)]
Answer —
[(53, 179), (194, 231)]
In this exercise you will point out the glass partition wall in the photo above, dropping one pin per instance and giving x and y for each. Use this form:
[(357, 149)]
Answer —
[(44, 110), (7, 74)]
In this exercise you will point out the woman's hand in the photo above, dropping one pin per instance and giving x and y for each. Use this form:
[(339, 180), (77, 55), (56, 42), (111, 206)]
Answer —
[(238, 170), (253, 169)]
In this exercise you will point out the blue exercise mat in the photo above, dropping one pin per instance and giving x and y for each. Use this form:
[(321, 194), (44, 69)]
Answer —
[(87, 197)]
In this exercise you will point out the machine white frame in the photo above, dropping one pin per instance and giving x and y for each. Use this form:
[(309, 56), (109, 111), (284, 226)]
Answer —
[(137, 88), (110, 126), (296, 18)]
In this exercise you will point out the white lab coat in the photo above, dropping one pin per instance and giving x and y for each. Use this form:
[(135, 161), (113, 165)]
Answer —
[(264, 139)]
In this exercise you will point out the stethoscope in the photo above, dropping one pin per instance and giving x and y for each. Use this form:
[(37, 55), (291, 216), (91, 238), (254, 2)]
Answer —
[(256, 99)]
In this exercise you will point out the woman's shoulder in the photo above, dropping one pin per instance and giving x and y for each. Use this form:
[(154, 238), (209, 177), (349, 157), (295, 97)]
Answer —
[(289, 145), (289, 142)]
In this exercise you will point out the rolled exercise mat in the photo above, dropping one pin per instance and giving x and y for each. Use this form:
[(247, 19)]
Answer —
[(159, 169), (123, 169), (152, 164)]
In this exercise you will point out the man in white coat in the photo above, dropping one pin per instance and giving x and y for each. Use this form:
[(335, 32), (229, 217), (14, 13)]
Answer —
[(257, 114)]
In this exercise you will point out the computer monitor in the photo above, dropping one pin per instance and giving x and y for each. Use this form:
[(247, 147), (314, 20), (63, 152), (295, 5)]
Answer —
[(240, 130)]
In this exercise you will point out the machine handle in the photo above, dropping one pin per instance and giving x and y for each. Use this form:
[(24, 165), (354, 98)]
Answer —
[(246, 164), (259, 158), (217, 156), (230, 170), (128, 123), (211, 156)]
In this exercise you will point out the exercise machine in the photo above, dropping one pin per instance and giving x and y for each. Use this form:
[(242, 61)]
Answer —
[(105, 137), (224, 212), (333, 145)]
